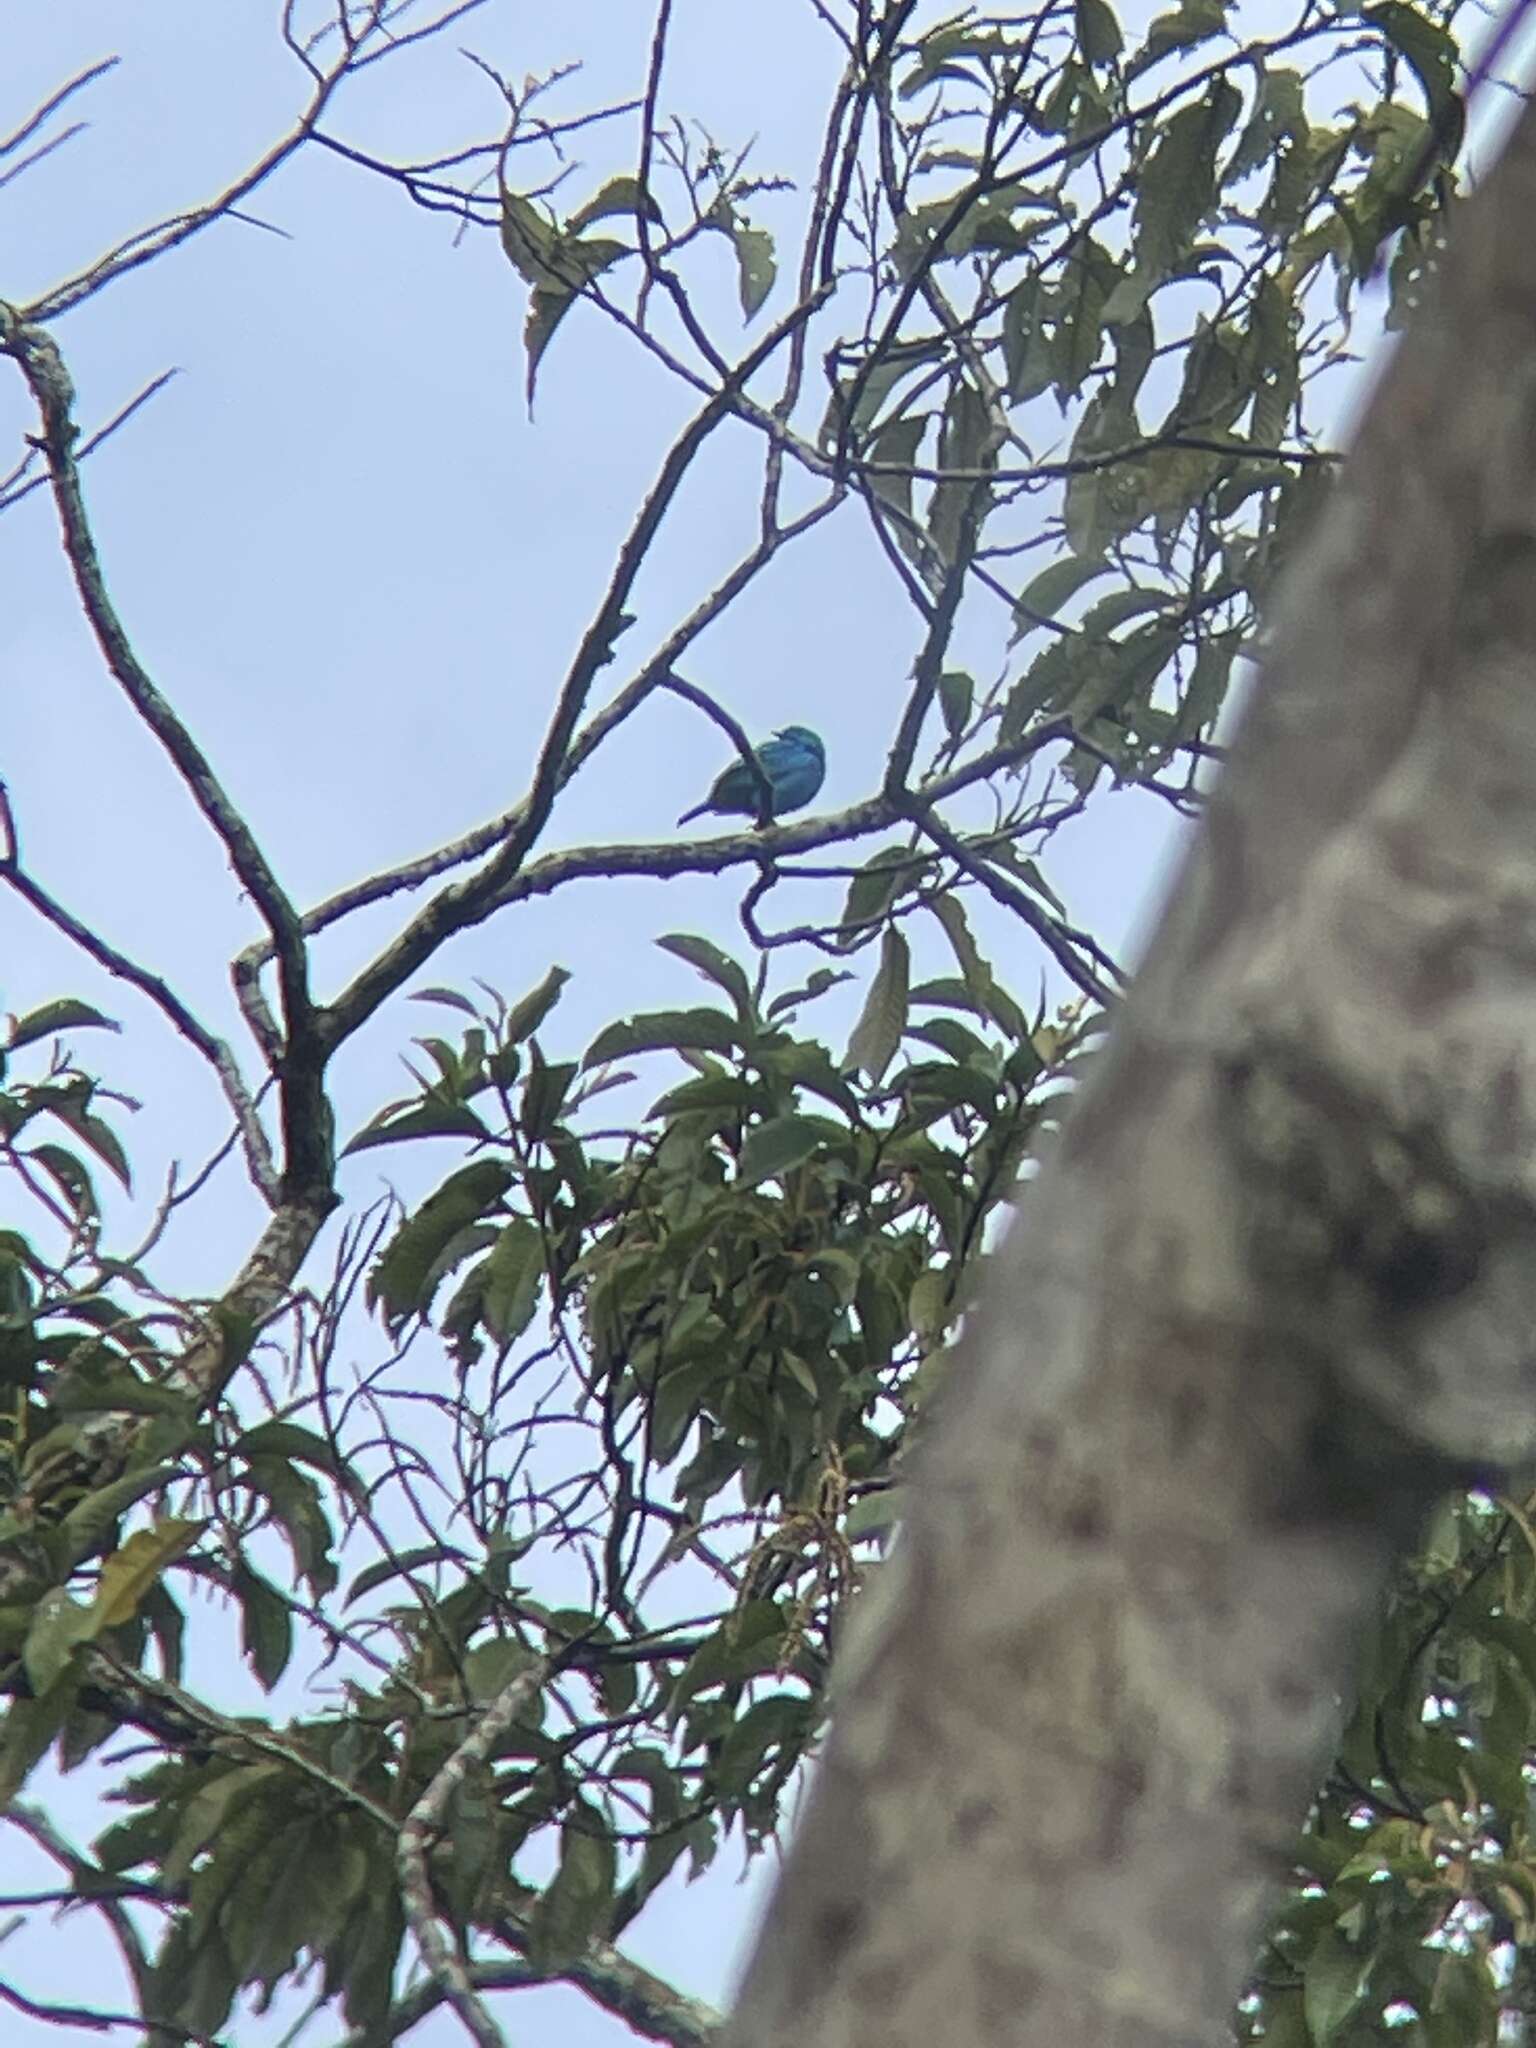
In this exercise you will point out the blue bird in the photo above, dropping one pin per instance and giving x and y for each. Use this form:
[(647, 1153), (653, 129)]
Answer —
[(794, 762)]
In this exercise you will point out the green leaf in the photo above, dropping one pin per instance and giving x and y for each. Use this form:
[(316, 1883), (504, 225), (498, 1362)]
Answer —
[(747, 1643), (675, 1406), (1335, 1987), (63, 1015), (1103, 502), (514, 1275), (530, 239), (292, 1440), (1279, 111), (1044, 595), (492, 1666), (295, 1503), (449, 999), (70, 1177), (128, 1574), (1192, 22), (957, 691), (26, 1731), (1098, 32), (525, 1017), (406, 1273), (59, 1626), (209, 1812), (549, 304), (965, 443), (557, 264), (1428, 49), (714, 965), (773, 1148), (1028, 357), (884, 1017), (896, 444), (663, 1031), (400, 1566), (755, 265), (431, 1119), (90, 1521), (266, 1625), (950, 912), (544, 1094), (1177, 185), (1083, 301), (928, 1304), (621, 197), (100, 1137), (575, 1905), (875, 887)]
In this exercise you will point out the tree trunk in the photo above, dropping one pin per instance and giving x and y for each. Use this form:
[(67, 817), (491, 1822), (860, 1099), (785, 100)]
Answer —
[(1274, 1290)]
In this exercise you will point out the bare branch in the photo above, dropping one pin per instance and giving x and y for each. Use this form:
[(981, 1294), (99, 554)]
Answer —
[(305, 1113), (52, 104), (258, 1153), (89, 445), (421, 1828)]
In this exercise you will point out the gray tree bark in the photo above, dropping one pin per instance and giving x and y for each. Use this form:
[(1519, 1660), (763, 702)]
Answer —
[(1275, 1289)]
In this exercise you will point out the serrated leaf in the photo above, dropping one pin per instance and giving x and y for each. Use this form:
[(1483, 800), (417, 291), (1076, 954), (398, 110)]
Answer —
[(775, 1147), (404, 1277), (1428, 49), (514, 1276), (1177, 185), (877, 1034)]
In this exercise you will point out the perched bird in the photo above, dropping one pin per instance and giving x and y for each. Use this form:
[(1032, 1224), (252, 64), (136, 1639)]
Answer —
[(793, 763)]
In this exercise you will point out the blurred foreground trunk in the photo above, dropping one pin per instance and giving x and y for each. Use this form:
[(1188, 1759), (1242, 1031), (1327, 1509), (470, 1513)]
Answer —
[(1275, 1289)]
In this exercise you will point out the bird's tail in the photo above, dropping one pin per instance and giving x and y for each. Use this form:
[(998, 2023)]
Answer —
[(697, 812)]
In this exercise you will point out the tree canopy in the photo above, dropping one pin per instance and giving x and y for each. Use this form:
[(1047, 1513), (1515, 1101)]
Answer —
[(566, 1463)]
